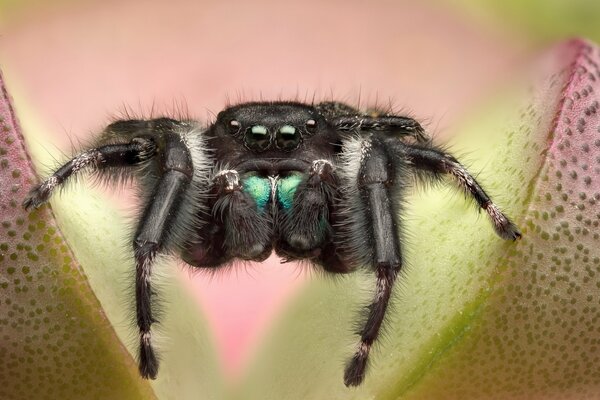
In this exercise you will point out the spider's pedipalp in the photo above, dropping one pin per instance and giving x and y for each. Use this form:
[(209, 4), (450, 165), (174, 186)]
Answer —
[(304, 220), (247, 229)]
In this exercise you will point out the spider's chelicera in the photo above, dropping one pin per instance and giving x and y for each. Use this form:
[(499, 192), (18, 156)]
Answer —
[(323, 183)]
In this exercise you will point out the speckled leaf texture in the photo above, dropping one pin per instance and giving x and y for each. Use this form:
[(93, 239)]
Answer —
[(475, 317), (55, 341), (538, 333)]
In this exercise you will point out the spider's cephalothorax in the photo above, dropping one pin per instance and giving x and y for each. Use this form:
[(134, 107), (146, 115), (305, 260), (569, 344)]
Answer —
[(323, 183)]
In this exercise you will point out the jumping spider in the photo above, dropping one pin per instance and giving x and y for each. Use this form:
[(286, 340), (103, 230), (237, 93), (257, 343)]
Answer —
[(323, 183)]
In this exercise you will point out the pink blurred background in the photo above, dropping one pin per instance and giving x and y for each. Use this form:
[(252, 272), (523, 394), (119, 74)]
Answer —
[(78, 64)]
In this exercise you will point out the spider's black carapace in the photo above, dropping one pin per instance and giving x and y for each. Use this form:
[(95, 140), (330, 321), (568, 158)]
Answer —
[(323, 182)]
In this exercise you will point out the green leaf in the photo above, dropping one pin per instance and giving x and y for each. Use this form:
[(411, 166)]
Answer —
[(55, 340)]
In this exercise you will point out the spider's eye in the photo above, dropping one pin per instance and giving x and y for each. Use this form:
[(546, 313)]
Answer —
[(311, 126), (234, 126), (257, 137), (287, 138)]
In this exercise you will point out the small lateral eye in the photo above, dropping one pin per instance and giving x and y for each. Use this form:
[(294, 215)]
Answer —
[(234, 126), (311, 126)]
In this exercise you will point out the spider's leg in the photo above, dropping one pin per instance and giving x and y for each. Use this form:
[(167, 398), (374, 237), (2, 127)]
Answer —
[(136, 151), (246, 223), (347, 119), (304, 220), (373, 185), (391, 124), (155, 225), (174, 183), (121, 145), (438, 162)]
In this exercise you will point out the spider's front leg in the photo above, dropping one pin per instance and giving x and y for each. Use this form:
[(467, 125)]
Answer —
[(100, 159), (375, 198), (347, 119), (160, 151), (436, 162)]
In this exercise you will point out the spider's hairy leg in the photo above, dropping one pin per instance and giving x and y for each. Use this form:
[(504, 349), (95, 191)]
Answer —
[(345, 118), (123, 143), (392, 124), (100, 159), (436, 161), (157, 221), (304, 222), (246, 224), (374, 181), (126, 147)]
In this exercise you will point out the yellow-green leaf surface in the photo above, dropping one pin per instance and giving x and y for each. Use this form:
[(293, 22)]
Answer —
[(55, 340), (66, 295), (475, 316), (537, 335)]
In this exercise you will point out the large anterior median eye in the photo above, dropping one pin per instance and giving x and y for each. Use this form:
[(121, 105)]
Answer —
[(287, 137), (257, 137)]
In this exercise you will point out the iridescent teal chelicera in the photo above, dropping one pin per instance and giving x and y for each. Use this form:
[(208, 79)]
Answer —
[(259, 188), (286, 188)]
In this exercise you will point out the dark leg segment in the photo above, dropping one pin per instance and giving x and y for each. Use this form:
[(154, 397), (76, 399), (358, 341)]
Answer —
[(437, 162), (374, 181), (387, 123), (112, 155), (151, 236), (155, 223), (349, 119)]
